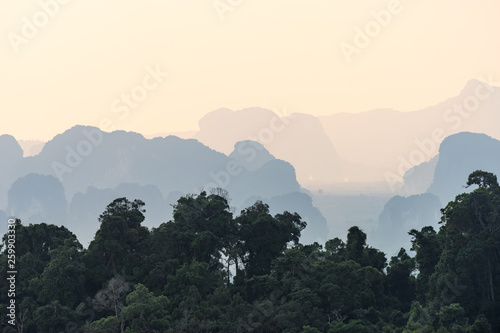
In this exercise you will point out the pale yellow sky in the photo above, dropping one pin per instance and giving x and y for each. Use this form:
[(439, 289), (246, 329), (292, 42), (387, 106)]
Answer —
[(84, 57)]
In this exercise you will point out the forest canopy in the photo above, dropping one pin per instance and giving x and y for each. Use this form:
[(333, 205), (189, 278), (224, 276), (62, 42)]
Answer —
[(207, 270)]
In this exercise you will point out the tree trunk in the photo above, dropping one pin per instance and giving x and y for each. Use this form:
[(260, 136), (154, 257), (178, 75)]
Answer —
[(228, 272)]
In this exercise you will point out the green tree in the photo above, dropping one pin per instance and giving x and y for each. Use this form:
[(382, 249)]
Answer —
[(145, 312), (357, 250), (202, 230), (109, 324), (52, 318), (470, 258), (428, 247), (120, 245), (452, 316), (335, 249), (482, 179), (262, 237), (43, 250), (356, 244), (419, 319), (63, 279), (399, 281)]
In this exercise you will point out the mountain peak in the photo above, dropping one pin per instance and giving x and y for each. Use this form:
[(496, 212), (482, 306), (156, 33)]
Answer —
[(471, 87), (250, 154), (9, 144)]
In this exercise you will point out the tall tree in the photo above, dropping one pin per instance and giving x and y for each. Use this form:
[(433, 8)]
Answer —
[(63, 278), (471, 234), (428, 247), (400, 282), (355, 246), (263, 237), (145, 312), (120, 244), (202, 230)]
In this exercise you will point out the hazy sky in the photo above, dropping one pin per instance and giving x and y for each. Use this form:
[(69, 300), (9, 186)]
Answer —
[(86, 56)]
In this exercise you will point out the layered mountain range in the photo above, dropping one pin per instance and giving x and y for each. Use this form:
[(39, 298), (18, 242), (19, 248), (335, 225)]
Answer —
[(445, 177), (376, 146), (368, 147), (80, 171), (414, 162)]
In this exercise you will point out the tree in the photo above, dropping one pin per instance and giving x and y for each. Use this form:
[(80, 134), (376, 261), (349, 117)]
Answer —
[(40, 239), (263, 237), (419, 319), (191, 275), (63, 279), (470, 257), (357, 250), (202, 230), (120, 244), (428, 248), (482, 179), (399, 281), (145, 312), (355, 246), (43, 251), (109, 324), (451, 316), (335, 249), (52, 317), (112, 297)]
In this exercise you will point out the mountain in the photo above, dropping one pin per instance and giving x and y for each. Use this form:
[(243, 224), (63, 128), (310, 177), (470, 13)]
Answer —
[(298, 139), (419, 178), (80, 171), (38, 198), (400, 215), (459, 155), (182, 135), (393, 141), (3, 225), (11, 155), (439, 181), (377, 146), (250, 154), (85, 156)]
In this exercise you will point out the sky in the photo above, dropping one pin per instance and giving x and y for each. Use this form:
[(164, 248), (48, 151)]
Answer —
[(159, 66)]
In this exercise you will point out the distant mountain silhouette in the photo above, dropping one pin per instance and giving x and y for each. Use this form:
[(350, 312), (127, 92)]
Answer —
[(250, 154), (11, 155), (400, 215), (444, 177), (298, 139), (459, 155), (88, 168), (3, 223), (370, 146), (419, 178), (38, 198), (390, 140), (84, 156), (182, 135), (255, 153)]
